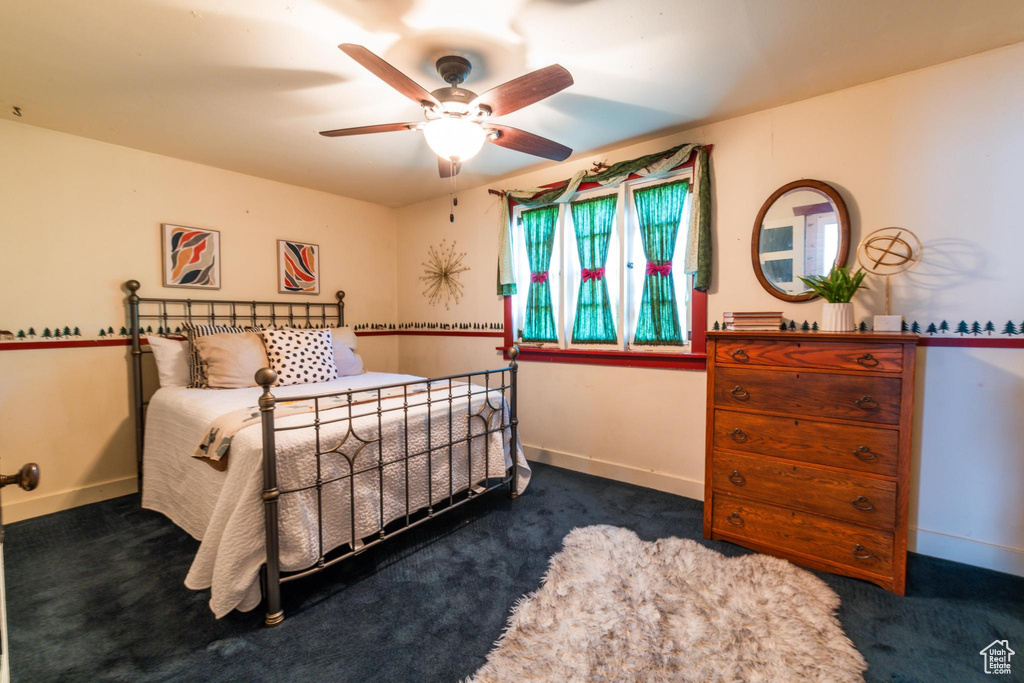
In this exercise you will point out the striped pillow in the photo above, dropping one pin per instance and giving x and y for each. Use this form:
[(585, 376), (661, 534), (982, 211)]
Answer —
[(196, 367)]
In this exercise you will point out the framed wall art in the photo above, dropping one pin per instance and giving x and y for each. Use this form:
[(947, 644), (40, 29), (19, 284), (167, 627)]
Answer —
[(191, 257), (298, 267)]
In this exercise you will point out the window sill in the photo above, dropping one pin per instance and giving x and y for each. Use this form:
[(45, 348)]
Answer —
[(629, 359)]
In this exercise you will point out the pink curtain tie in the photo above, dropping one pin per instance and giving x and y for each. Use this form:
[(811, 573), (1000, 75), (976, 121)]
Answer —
[(592, 274), (539, 277), (662, 270)]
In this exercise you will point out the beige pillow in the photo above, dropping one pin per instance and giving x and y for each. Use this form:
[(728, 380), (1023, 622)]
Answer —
[(231, 358)]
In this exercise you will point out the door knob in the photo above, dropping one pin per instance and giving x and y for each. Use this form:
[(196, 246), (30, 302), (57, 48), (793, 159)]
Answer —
[(27, 477)]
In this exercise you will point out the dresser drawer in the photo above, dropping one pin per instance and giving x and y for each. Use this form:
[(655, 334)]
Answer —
[(864, 449), (818, 394), (842, 495), (805, 533), (809, 354)]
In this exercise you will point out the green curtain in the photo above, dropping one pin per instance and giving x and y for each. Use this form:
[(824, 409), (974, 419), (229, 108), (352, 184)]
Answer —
[(539, 229), (506, 254), (698, 246), (659, 211), (592, 221)]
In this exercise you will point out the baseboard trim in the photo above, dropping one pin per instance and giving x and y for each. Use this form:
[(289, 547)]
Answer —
[(971, 551), (922, 541), (38, 505), (652, 479)]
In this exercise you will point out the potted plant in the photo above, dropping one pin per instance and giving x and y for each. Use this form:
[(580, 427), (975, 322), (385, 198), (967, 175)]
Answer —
[(836, 288)]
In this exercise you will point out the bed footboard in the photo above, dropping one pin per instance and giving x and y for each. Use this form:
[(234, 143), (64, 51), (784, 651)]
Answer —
[(391, 399)]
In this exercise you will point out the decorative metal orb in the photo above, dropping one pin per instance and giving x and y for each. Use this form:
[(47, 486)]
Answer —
[(889, 251)]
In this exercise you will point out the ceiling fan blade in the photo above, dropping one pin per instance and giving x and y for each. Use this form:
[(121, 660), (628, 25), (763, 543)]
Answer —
[(521, 141), (363, 130), (445, 167), (525, 90), (389, 74)]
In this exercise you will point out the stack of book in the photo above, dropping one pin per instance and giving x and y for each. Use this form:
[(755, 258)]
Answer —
[(753, 320)]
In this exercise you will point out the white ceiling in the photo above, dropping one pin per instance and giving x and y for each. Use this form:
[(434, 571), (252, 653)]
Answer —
[(246, 84)]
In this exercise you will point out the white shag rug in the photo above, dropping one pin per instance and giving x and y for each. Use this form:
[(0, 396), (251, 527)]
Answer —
[(614, 608)]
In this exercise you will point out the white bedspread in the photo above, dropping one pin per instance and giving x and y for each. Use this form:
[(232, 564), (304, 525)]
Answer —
[(224, 509)]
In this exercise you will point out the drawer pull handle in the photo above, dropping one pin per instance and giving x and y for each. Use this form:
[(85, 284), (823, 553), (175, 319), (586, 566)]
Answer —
[(740, 356), (735, 519), (738, 435), (862, 503), (867, 360), (864, 453), (740, 393), (737, 478), (867, 403), (860, 552)]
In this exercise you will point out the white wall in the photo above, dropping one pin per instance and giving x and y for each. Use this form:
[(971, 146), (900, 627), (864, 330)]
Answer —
[(79, 217), (939, 151)]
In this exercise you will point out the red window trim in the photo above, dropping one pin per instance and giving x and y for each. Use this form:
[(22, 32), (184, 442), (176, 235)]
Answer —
[(629, 359), (696, 359)]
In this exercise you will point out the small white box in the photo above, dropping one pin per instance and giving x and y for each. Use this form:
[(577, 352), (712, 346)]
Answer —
[(888, 323)]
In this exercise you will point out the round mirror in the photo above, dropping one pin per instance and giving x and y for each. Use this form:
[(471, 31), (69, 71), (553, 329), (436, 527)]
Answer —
[(803, 229)]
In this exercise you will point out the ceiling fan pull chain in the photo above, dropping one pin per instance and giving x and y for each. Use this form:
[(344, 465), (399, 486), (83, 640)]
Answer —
[(454, 201)]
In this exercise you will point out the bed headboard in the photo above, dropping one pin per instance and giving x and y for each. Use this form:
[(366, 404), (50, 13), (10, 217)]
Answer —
[(177, 312)]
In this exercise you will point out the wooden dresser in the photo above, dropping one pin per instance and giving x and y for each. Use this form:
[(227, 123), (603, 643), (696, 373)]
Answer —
[(808, 448)]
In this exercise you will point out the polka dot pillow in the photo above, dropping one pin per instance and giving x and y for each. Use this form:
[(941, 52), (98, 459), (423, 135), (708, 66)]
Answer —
[(300, 356)]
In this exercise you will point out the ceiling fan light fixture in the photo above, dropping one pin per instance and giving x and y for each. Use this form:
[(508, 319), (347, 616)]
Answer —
[(453, 138), (455, 107)]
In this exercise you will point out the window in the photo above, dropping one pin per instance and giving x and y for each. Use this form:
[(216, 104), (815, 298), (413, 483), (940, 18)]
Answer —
[(593, 222), (605, 272), (539, 229)]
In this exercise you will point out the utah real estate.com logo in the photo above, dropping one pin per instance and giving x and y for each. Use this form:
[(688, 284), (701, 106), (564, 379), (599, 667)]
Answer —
[(997, 656)]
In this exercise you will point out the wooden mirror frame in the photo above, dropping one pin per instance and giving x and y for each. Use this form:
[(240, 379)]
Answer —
[(844, 233)]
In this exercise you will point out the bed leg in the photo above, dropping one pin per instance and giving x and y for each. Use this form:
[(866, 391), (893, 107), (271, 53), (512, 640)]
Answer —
[(513, 485), (266, 378), (273, 618)]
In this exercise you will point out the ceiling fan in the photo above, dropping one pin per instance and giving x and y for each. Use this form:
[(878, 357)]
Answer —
[(458, 121)]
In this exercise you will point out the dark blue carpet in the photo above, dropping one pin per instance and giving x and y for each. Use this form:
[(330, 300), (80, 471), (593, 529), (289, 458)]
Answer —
[(96, 593)]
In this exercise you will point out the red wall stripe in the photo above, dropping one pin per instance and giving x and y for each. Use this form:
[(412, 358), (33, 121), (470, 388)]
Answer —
[(954, 342), (89, 343)]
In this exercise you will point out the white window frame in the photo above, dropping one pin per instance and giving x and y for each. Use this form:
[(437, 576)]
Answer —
[(625, 292)]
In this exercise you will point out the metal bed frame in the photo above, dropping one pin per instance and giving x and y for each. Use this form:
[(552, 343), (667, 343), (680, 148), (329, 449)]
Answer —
[(323, 314)]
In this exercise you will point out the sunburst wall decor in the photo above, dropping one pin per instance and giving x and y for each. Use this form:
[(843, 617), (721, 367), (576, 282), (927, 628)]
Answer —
[(441, 274)]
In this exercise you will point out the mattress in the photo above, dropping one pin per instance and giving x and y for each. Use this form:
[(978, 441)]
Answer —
[(224, 510)]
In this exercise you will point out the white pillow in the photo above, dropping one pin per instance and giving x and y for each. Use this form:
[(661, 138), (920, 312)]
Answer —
[(171, 356), (348, 362), (343, 337)]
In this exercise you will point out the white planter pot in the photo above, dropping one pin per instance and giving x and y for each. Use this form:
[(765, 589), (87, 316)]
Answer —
[(837, 318)]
